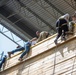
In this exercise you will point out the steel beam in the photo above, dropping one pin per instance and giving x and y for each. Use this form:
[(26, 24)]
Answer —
[(53, 6), (2, 2), (15, 29), (23, 5)]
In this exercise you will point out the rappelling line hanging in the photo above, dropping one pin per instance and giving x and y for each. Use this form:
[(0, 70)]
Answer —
[(73, 62), (55, 59)]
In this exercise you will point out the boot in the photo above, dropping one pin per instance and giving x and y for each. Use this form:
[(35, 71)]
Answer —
[(55, 41), (9, 54), (20, 59)]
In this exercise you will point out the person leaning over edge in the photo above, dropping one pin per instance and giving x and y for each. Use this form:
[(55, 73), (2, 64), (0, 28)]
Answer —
[(26, 49), (62, 27)]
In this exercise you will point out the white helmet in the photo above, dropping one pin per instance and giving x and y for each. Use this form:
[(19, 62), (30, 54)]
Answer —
[(66, 16)]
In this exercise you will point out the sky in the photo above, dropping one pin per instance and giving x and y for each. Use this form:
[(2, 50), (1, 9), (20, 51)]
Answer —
[(6, 44)]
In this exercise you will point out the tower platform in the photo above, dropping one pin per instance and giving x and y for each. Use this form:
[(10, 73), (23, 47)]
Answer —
[(45, 58)]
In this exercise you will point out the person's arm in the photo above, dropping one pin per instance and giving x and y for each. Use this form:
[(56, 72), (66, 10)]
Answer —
[(39, 38), (35, 38)]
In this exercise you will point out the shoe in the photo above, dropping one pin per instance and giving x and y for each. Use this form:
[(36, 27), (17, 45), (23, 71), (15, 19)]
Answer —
[(20, 59), (55, 42), (9, 54)]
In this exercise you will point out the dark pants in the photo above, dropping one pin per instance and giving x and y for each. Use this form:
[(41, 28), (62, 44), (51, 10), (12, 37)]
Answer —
[(62, 31)]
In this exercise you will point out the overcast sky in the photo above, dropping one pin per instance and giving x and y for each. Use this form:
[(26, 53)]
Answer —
[(6, 44)]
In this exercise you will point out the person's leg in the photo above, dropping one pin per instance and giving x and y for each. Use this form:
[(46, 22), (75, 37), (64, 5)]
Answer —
[(27, 49), (2, 61), (63, 35), (1, 64), (65, 30), (59, 33), (16, 50)]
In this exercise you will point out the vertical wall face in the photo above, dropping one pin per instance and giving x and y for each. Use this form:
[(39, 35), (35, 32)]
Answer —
[(46, 59)]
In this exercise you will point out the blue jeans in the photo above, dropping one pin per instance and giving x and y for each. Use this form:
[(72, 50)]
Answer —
[(2, 61), (26, 49)]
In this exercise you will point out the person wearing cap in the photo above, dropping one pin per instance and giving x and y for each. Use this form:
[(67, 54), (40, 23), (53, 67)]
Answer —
[(26, 49), (62, 27)]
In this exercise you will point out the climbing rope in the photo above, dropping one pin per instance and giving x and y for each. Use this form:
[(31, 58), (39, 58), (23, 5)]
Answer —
[(55, 60), (73, 62)]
